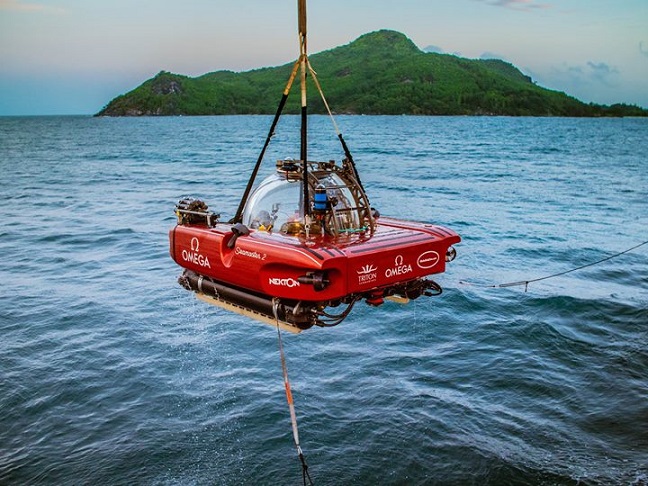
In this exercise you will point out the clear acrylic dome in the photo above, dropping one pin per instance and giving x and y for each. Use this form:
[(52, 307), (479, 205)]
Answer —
[(276, 202), (276, 205)]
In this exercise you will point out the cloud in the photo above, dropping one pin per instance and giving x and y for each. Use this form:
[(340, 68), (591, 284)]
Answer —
[(492, 55), (589, 74), (517, 4), (435, 49), (601, 72), (20, 6)]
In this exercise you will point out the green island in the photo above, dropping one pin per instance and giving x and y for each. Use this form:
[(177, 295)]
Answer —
[(380, 73)]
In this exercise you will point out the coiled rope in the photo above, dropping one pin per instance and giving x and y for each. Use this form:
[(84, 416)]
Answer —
[(289, 398), (527, 282)]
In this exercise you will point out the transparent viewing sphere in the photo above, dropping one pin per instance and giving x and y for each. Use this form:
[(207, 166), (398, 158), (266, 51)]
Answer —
[(276, 205)]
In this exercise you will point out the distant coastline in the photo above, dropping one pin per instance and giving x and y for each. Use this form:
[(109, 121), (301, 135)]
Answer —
[(380, 73)]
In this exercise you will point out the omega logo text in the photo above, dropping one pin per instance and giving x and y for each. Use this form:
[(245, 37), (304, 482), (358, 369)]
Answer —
[(194, 256), (399, 268)]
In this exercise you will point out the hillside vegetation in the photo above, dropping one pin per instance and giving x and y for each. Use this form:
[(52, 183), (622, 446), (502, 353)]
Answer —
[(379, 73)]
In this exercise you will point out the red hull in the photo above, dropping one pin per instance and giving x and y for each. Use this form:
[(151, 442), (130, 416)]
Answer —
[(273, 264)]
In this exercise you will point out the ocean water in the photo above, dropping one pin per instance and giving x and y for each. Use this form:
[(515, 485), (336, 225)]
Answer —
[(110, 373)]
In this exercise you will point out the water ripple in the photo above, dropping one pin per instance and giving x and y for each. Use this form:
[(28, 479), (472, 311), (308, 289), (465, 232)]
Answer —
[(113, 374)]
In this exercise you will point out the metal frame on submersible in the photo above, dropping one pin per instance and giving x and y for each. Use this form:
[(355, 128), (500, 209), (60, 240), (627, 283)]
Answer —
[(303, 66)]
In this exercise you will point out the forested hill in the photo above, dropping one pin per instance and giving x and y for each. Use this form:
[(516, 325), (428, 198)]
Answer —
[(379, 73)]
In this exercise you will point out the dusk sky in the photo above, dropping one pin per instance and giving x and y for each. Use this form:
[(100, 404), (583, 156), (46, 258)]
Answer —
[(74, 56)]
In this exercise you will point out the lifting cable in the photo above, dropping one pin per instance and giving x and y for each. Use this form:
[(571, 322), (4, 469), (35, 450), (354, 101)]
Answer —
[(347, 153), (291, 405), (527, 282)]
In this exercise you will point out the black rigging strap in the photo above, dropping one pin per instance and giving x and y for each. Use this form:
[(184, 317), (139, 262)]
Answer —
[(349, 157), (282, 103), (303, 58)]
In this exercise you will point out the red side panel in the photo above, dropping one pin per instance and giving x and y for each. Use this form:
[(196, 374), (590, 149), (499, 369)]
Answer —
[(263, 263), (398, 252), (272, 264)]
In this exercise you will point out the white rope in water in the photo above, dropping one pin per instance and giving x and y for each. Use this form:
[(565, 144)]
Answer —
[(289, 397), (527, 282)]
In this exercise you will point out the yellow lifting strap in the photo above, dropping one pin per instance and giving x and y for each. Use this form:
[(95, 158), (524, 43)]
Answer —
[(301, 9)]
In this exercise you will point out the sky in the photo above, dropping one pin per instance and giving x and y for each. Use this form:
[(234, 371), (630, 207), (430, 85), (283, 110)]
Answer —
[(61, 57)]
